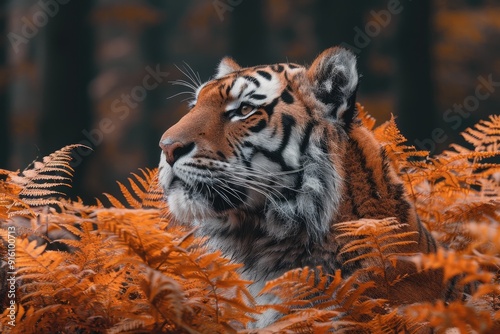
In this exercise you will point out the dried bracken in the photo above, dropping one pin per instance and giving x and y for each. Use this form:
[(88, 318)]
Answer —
[(128, 270)]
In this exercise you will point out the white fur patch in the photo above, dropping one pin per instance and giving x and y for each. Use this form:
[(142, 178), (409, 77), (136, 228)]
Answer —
[(226, 66)]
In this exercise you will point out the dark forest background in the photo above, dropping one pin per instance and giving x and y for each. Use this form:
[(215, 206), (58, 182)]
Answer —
[(79, 71)]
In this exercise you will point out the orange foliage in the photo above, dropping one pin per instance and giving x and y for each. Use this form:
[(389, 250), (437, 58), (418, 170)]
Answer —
[(128, 270)]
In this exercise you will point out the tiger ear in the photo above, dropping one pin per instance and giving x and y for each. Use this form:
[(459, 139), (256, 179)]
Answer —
[(226, 66), (334, 78)]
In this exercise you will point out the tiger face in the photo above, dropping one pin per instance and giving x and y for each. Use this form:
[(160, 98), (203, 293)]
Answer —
[(262, 142)]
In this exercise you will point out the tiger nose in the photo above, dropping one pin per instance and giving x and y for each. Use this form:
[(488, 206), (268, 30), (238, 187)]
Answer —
[(175, 150)]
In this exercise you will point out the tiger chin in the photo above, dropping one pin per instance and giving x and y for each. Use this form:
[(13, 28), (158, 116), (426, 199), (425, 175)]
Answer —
[(269, 159)]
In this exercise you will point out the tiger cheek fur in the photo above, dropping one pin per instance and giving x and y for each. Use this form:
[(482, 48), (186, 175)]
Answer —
[(268, 161)]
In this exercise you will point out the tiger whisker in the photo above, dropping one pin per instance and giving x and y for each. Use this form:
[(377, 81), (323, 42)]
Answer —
[(262, 191), (224, 197), (255, 183), (195, 75), (294, 171), (193, 83), (181, 93), (232, 191), (213, 187), (271, 180), (268, 197), (181, 82)]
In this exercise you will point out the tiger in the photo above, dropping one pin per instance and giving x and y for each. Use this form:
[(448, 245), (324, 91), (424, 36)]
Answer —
[(270, 159)]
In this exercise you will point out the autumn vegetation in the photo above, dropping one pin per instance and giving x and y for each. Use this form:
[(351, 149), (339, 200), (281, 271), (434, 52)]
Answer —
[(119, 266)]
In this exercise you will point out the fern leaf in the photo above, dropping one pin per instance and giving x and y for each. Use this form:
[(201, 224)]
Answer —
[(115, 203), (367, 120), (38, 182), (144, 192), (485, 136)]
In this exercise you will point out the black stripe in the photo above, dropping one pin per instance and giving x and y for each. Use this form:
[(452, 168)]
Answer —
[(350, 114), (395, 190), (261, 125), (258, 96), (307, 136), (287, 121), (278, 68), (300, 181), (269, 109), (242, 90), (220, 154), (287, 97), (219, 202), (366, 170), (252, 79), (250, 93), (221, 88), (286, 76), (228, 89), (265, 75)]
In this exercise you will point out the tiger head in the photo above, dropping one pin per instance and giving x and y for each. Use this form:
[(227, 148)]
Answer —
[(261, 146)]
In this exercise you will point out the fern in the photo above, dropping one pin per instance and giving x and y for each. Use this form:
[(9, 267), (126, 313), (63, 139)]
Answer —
[(366, 119), (145, 193), (38, 182), (379, 240), (393, 142), (130, 270), (485, 136), (338, 302), (441, 316)]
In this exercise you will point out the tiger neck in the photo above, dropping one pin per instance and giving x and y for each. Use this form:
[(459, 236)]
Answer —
[(372, 188)]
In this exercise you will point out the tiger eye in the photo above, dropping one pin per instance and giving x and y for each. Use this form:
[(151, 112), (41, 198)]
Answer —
[(245, 110)]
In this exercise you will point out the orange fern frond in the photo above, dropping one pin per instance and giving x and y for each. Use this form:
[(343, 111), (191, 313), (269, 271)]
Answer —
[(393, 142), (375, 240), (341, 299), (367, 120), (457, 315), (40, 182), (485, 136), (460, 182), (145, 192), (129, 270), (453, 265)]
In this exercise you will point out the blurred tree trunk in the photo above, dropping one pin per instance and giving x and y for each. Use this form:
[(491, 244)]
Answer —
[(336, 23), (416, 101), (4, 119), (67, 69), (156, 44), (248, 32), (23, 85)]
